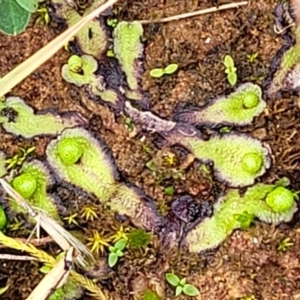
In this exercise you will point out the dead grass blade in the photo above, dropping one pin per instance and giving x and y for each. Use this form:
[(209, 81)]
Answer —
[(10, 80)]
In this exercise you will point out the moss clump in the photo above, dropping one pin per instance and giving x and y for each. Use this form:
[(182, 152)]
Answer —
[(238, 159), (252, 162), (92, 38), (128, 49), (96, 173), (32, 184), (79, 70), (70, 151), (25, 184), (281, 199), (239, 108), (18, 118), (257, 201), (71, 290)]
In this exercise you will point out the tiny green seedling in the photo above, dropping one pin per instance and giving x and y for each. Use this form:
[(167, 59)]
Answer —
[(159, 72), (169, 190), (181, 285), (252, 57), (230, 69), (284, 244), (18, 159), (112, 22), (116, 252)]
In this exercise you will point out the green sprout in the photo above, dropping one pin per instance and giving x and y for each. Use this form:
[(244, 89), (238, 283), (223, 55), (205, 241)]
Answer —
[(138, 238), (116, 251), (181, 285), (238, 108), (284, 244), (232, 212), (112, 22), (43, 15), (18, 159), (230, 69), (252, 57), (159, 72)]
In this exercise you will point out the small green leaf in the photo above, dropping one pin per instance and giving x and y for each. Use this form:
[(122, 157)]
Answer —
[(190, 290), (169, 190), (172, 279), (119, 253), (112, 249), (121, 244), (232, 78), (182, 281), (45, 269), (228, 61), (170, 69), (29, 5), (3, 290), (13, 18), (112, 259), (156, 73), (178, 290)]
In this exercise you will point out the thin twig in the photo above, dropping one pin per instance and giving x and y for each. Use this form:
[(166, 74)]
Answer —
[(196, 13), (16, 257)]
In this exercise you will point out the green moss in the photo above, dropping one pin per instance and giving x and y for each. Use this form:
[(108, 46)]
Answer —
[(252, 162), (128, 48), (32, 184), (70, 151), (86, 75), (92, 38), (239, 108), (95, 171), (281, 199), (138, 238), (213, 231), (28, 124), (238, 159), (25, 184)]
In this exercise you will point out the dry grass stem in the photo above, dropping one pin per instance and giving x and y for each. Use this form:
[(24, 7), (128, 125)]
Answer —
[(16, 257), (195, 13)]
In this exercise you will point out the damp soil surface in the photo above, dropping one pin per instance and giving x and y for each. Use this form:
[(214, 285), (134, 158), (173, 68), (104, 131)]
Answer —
[(248, 264)]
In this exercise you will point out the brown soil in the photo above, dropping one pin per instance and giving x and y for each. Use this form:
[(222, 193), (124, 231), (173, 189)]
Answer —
[(248, 263)]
